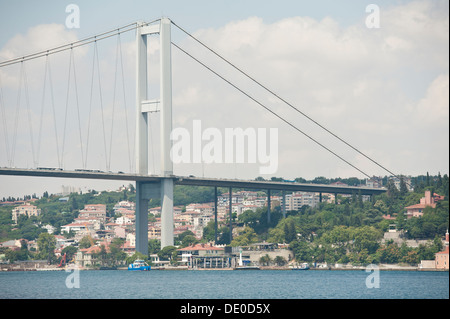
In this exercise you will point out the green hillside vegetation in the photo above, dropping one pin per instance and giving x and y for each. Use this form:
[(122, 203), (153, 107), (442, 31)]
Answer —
[(334, 233)]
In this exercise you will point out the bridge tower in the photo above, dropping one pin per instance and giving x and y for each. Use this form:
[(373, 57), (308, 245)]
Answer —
[(164, 189)]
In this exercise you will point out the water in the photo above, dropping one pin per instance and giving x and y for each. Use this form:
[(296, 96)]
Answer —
[(250, 284)]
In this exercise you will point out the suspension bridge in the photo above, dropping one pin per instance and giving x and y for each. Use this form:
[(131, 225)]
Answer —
[(148, 185)]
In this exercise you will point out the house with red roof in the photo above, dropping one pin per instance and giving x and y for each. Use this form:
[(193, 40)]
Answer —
[(417, 209)]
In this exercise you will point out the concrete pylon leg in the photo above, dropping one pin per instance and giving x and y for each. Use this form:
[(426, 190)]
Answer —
[(166, 212), (141, 220)]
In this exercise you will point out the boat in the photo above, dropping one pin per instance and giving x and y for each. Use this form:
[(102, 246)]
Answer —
[(247, 268), (139, 265), (304, 266)]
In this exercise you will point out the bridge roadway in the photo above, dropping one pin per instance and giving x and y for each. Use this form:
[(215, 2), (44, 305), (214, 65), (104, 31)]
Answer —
[(194, 181)]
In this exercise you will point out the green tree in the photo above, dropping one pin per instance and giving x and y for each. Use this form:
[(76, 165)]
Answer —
[(366, 237), (46, 246), (189, 240), (86, 242), (280, 261), (117, 255), (154, 246), (276, 235), (289, 231), (302, 250), (167, 253), (265, 260), (70, 252), (246, 237), (136, 256)]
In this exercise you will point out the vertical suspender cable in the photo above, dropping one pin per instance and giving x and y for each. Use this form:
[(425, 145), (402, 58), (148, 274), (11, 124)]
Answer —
[(124, 102), (78, 109), (16, 120), (54, 113), (67, 106), (5, 129), (101, 104), (90, 107), (114, 101), (30, 122), (42, 106)]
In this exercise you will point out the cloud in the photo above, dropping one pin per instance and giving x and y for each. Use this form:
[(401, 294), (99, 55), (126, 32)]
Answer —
[(433, 108), (366, 85)]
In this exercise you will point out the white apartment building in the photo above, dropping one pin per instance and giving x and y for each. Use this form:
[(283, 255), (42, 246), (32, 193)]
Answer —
[(296, 200), (26, 209)]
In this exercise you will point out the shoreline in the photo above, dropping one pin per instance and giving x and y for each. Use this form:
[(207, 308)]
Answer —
[(181, 268)]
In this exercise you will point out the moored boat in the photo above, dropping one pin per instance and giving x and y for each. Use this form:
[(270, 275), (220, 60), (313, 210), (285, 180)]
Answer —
[(247, 268), (304, 266), (139, 265)]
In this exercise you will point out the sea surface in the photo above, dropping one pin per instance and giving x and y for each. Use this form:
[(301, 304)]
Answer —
[(249, 284)]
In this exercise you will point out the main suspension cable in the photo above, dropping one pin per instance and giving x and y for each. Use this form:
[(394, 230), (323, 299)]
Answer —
[(283, 100)]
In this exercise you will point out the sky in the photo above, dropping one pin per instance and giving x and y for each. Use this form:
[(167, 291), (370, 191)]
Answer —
[(384, 90)]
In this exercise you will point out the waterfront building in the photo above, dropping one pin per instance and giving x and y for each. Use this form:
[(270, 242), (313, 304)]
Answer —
[(203, 256), (442, 258)]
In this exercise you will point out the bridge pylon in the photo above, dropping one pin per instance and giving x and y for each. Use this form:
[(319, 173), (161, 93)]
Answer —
[(164, 189)]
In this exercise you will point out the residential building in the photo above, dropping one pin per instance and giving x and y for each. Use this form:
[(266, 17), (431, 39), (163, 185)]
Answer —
[(13, 244), (397, 182), (94, 211), (85, 257), (154, 232), (442, 258), (76, 227), (25, 209), (296, 200), (417, 209), (374, 182)]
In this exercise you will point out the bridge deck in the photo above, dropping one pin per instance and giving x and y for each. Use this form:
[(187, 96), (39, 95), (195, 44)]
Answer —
[(195, 181)]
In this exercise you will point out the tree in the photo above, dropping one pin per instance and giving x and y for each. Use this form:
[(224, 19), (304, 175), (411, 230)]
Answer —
[(265, 260), (224, 236), (302, 251), (46, 245), (280, 261), (276, 235), (154, 246), (167, 253), (366, 237), (86, 242), (289, 231), (70, 252), (136, 256), (189, 240), (209, 231), (403, 187), (116, 253), (250, 218), (246, 237)]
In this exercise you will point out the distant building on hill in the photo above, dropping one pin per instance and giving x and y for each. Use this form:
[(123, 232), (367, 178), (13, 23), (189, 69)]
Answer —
[(426, 201), (26, 209)]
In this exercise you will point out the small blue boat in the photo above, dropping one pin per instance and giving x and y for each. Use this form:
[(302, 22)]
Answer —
[(139, 265)]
